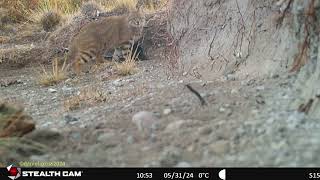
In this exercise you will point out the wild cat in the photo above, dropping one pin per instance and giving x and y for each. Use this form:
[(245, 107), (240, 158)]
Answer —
[(97, 37)]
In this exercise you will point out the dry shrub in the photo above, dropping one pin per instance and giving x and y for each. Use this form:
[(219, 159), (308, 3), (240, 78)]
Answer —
[(18, 10), (56, 75), (50, 20), (129, 65), (14, 122), (118, 4), (62, 6), (86, 97)]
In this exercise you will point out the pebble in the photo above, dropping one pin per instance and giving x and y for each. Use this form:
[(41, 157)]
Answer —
[(184, 73), (66, 89), (234, 91), (167, 111), (70, 119), (75, 135), (231, 77), (131, 80), (51, 90), (222, 109), (117, 83), (260, 88), (170, 157), (174, 126), (145, 121), (205, 130), (105, 137), (130, 140), (219, 147)]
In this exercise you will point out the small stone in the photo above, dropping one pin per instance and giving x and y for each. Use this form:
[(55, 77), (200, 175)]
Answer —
[(184, 73), (180, 124), (75, 135), (222, 109), (70, 119), (260, 88), (167, 111), (117, 83), (51, 90), (205, 130), (183, 164), (66, 89), (174, 126), (234, 91), (145, 121), (181, 81), (105, 137), (191, 148), (231, 77), (170, 157), (220, 147), (130, 140), (275, 76)]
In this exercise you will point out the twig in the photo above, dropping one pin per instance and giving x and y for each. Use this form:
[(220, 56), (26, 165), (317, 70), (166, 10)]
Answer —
[(203, 102)]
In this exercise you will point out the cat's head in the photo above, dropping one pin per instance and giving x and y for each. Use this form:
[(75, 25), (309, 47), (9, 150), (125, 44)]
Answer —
[(137, 21)]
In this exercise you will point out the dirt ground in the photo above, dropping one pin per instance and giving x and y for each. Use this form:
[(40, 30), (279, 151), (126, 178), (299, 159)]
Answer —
[(152, 119), (245, 121)]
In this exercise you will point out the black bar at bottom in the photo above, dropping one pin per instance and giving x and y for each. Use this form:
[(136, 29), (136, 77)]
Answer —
[(163, 173)]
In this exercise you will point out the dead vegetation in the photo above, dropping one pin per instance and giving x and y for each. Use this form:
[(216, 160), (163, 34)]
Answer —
[(129, 65), (14, 122), (50, 20), (87, 96), (21, 55), (56, 75)]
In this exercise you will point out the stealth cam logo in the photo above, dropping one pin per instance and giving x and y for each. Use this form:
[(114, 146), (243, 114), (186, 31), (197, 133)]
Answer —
[(14, 172)]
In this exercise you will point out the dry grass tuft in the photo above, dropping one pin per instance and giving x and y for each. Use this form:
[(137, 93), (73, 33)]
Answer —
[(129, 65), (61, 7), (87, 96), (50, 20), (118, 4), (56, 75), (17, 9)]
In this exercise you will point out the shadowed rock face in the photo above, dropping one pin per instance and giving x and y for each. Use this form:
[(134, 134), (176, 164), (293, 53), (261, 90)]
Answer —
[(137, 46)]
